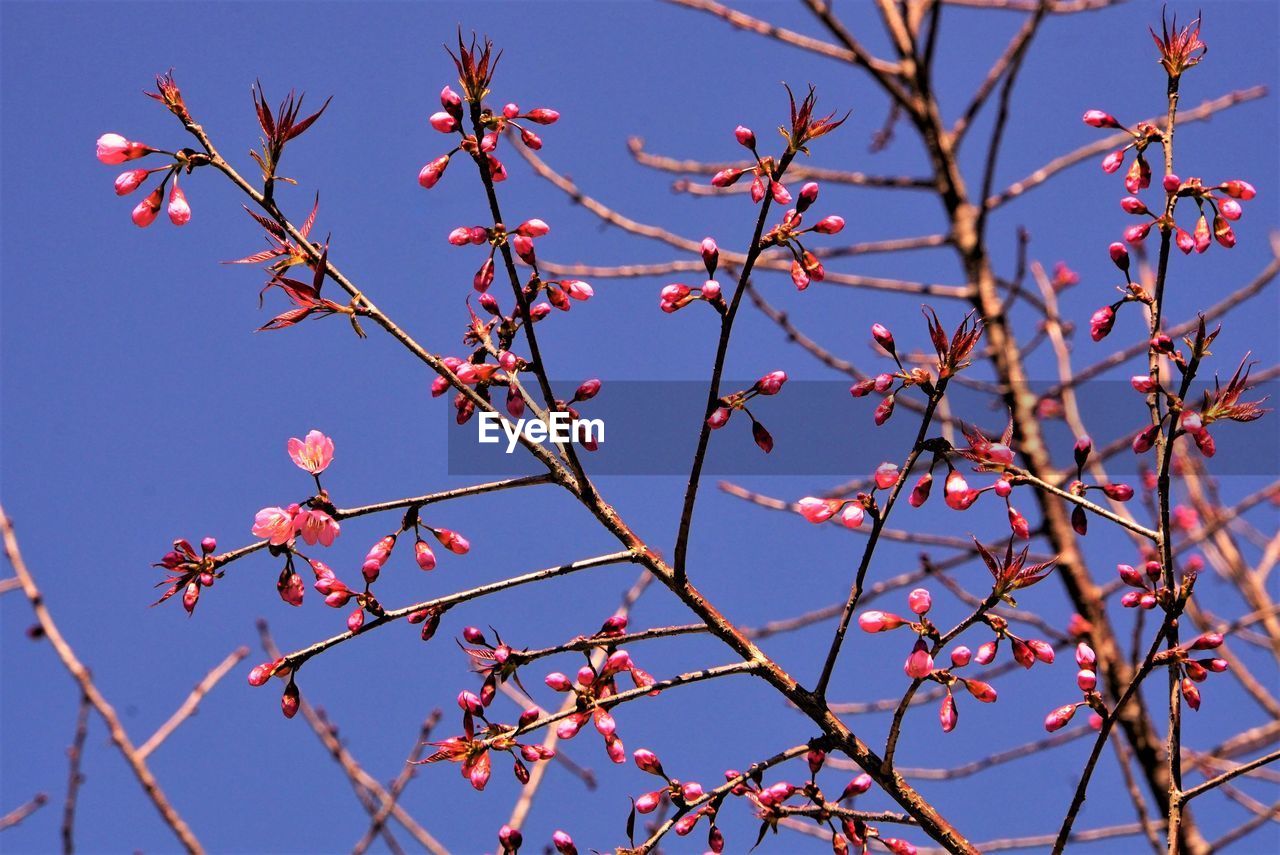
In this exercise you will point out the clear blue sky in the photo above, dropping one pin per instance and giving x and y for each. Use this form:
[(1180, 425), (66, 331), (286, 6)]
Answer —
[(139, 406)]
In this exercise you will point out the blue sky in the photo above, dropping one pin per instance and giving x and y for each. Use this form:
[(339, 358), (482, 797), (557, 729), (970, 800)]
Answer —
[(139, 406)]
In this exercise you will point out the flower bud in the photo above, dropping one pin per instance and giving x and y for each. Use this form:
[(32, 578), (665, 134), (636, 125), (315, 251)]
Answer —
[(919, 664), (1058, 719), (1239, 190), (1207, 641), (961, 656), (829, 225), (1145, 440), (948, 715), (920, 492), (542, 116), (1100, 323), (558, 682), (1118, 492), (920, 601), (291, 700), (563, 843), (877, 621), (147, 210), (1171, 183), (807, 196), (1087, 680), (771, 383), (886, 475), (745, 136), (983, 692), (647, 761), (1100, 119), (443, 122)]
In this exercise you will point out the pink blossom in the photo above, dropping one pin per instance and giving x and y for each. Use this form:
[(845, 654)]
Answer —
[(316, 526), (275, 524), (313, 454), (920, 601), (886, 475)]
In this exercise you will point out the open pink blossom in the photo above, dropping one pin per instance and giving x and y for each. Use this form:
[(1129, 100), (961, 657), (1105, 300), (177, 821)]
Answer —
[(275, 524), (316, 526), (314, 454)]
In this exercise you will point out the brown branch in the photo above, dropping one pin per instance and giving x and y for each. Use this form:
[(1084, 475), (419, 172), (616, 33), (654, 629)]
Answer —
[(21, 812), (402, 779), (75, 754), (1188, 795), (192, 702), (370, 792), (172, 819)]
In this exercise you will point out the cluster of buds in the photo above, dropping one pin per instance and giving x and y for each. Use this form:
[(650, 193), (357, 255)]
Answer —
[(953, 354), (473, 748), (1223, 210), (850, 512), (1087, 682), (685, 795), (805, 266), (769, 384), (920, 663), (559, 293), (189, 571), (1222, 403), (510, 839), (476, 65), (592, 687), (1116, 491), (114, 150), (1149, 583), (678, 295), (291, 699), (1193, 671)]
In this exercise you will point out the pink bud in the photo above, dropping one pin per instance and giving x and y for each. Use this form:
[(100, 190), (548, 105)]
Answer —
[(920, 601), (430, 174), (461, 236), (1119, 492), (1085, 657), (771, 383), (1171, 183), (586, 675), (1119, 255), (1002, 488), (450, 100), (1137, 234), (745, 136), (114, 149), (983, 692), (1042, 650), (563, 843), (1143, 383), (1222, 233), (290, 701), (961, 656), (920, 492), (1100, 119), (726, 177), (718, 418), (1207, 641), (179, 210), (986, 653), (710, 289), (1018, 523), (558, 682), (1113, 161), (649, 802), (470, 702), (817, 510), (780, 194), (127, 182), (1145, 439), (948, 715), (533, 228), (829, 225), (542, 116), (1058, 719), (807, 196), (877, 621), (1190, 693), (1087, 680), (452, 541), (424, 556), (1237, 189), (1202, 234), (1100, 323), (443, 122), (1185, 241), (852, 515), (919, 664), (883, 410), (355, 620), (1230, 209), (886, 475), (647, 761), (1133, 205), (147, 210)]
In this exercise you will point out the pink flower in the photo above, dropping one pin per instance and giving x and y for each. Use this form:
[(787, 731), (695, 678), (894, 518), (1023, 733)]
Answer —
[(313, 454), (179, 210), (316, 526), (114, 149), (147, 210), (275, 524)]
